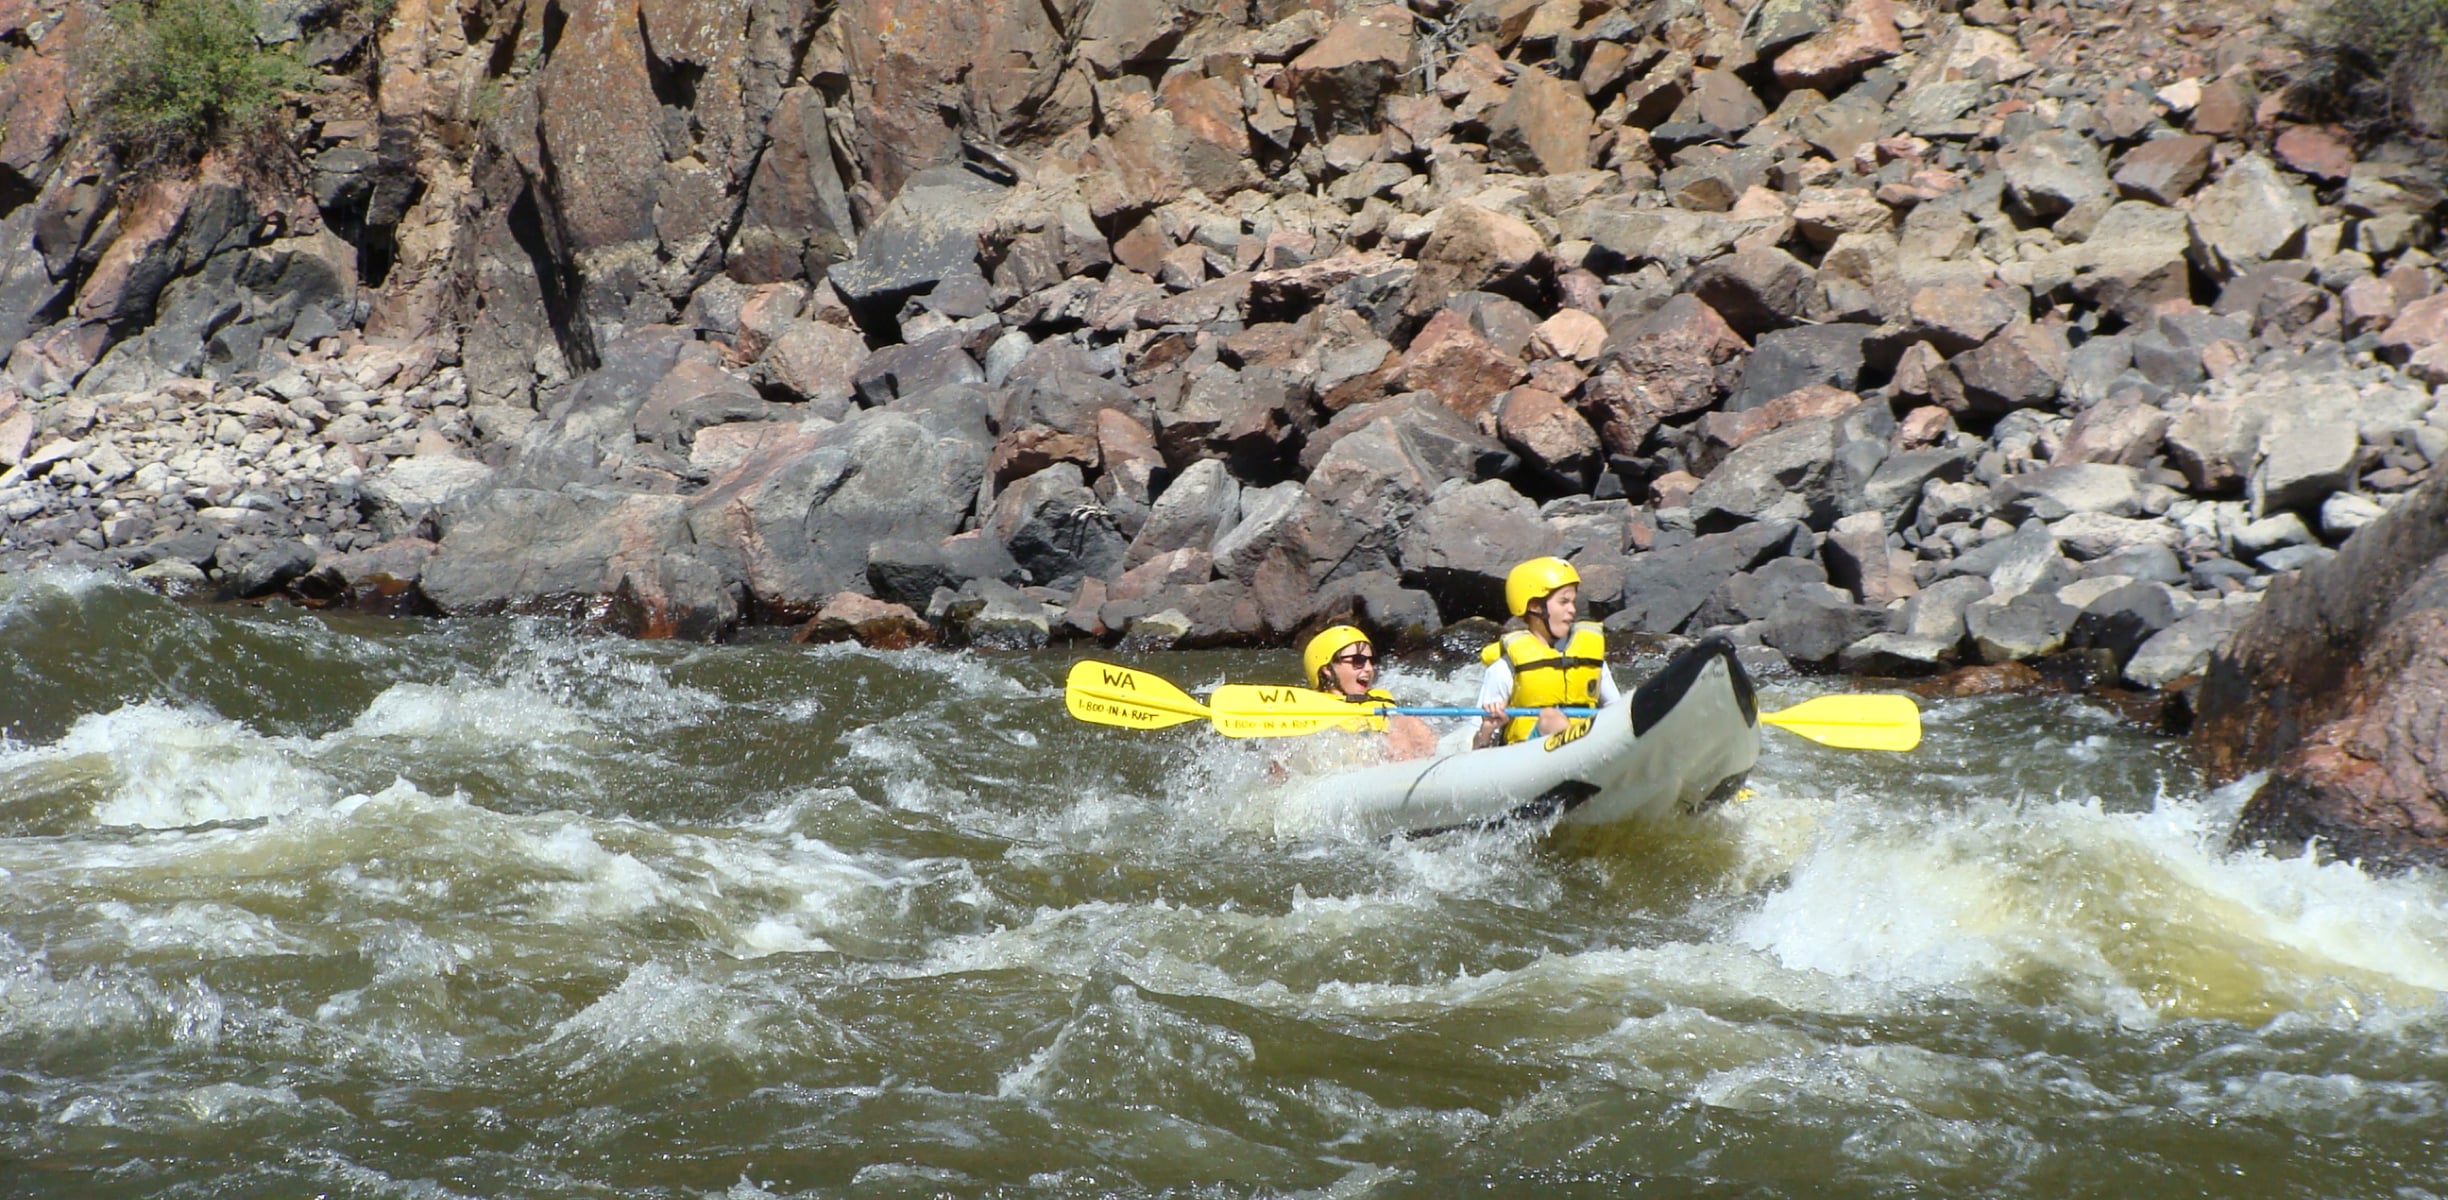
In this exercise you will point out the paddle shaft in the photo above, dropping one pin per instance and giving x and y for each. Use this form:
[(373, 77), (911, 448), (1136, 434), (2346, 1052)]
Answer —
[(1414, 710)]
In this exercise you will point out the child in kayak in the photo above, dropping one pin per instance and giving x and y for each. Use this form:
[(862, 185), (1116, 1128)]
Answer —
[(1553, 662), (1342, 661)]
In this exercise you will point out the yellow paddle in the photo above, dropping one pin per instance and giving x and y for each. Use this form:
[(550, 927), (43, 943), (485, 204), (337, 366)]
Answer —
[(1867, 721), (1847, 722), (1105, 694)]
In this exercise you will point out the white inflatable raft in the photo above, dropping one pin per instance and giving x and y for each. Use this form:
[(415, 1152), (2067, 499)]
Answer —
[(1680, 741)]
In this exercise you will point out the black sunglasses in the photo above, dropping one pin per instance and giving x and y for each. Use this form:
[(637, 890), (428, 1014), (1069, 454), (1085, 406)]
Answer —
[(1357, 660)]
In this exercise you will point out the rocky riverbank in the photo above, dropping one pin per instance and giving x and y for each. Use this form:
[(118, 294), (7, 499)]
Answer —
[(1885, 336)]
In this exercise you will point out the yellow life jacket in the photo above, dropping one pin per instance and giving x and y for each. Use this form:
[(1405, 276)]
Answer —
[(1375, 696), (1544, 676)]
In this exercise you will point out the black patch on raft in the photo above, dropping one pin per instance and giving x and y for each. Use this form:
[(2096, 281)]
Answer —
[(1550, 804), (1659, 695)]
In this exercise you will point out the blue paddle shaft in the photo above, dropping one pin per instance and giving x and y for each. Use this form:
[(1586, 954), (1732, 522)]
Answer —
[(1456, 711)]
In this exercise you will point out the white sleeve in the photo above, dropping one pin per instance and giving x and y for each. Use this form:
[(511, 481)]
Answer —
[(1496, 687), (1608, 693)]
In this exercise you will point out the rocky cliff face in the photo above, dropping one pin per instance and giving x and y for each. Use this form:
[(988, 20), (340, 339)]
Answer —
[(1890, 336)]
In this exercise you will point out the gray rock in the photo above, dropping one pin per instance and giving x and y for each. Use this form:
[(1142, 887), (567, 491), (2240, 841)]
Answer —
[(2089, 536), (2294, 558), (1197, 508), (1663, 588), (2272, 532), (568, 553), (2019, 628), (997, 616), (927, 234), (1899, 654), (2184, 648), (1755, 290), (1460, 545), (402, 498), (2344, 513), (1902, 477), (1055, 529), (2149, 562), (912, 368), (1788, 359), (2121, 620), (1936, 612), (2251, 215), (800, 518), (2303, 462), (2053, 172), (252, 565), (1780, 476), (2053, 493)]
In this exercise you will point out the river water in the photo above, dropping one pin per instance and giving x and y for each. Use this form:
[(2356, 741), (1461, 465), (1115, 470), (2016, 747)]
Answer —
[(295, 904)]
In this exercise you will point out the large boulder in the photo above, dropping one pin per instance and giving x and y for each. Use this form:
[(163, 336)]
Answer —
[(1679, 360), (928, 234), (2251, 215), (1460, 545), (1055, 529), (625, 562), (2338, 686), (799, 516)]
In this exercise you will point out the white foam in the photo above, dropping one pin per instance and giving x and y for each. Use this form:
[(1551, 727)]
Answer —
[(2141, 915), (201, 929), (468, 716), (656, 1008), (165, 767)]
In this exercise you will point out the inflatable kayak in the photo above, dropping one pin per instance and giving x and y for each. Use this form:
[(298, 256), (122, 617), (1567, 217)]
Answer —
[(1683, 739)]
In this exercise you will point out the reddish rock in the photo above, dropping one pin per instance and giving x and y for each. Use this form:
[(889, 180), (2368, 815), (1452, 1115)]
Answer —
[(2022, 367), (2418, 327), (2367, 304), (1830, 60), (1024, 452), (1924, 426), (1472, 250), (1542, 128), (2323, 151), (2338, 686), (1000, 64), (1732, 429), (34, 92), (2226, 108), (1340, 83), (1673, 489), (817, 363), (1549, 434), (1173, 569), (2164, 170), (1571, 334), (1466, 371), (879, 624), (1679, 360)]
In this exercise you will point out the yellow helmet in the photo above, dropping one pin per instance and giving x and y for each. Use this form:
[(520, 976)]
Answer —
[(1534, 579), (1321, 650)]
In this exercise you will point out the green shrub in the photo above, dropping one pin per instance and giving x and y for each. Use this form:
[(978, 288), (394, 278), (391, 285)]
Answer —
[(187, 74), (2382, 60)]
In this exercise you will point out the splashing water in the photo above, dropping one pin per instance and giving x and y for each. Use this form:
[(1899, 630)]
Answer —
[(298, 905)]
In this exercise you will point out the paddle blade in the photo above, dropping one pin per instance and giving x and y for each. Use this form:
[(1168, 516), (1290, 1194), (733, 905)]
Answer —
[(1866, 722), (1247, 710), (1105, 694)]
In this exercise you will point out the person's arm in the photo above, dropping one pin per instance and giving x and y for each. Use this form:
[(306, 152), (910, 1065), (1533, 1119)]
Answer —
[(1409, 737), (1495, 692), (1608, 693)]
